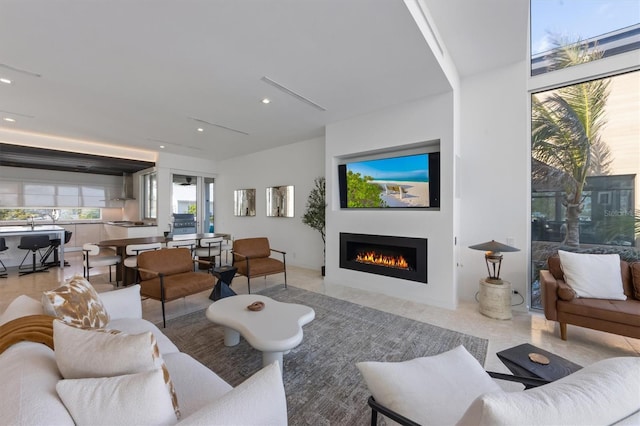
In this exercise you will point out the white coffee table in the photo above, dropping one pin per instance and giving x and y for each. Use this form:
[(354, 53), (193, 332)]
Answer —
[(274, 330)]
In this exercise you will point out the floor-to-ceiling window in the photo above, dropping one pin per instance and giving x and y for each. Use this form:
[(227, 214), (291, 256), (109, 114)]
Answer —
[(194, 195), (585, 129)]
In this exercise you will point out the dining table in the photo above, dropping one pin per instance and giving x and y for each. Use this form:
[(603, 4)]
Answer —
[(128, 275)]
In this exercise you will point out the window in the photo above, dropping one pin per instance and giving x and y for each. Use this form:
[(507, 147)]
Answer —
[(570, 32), (150, 196), (49, 214), (585, 132)]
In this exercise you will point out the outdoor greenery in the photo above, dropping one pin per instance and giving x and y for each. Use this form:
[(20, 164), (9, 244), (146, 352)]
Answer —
[(45, 214), (566, 132), (362, 193), (314, 216)]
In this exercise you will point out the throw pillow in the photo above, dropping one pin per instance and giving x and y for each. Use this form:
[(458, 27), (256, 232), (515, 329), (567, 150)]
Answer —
[(133, 399), (602, 393), (408, 387), (247, 403), (76, 303), (593, 275), (82, 353)]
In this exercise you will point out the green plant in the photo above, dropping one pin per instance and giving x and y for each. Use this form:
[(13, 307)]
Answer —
[(314, 215)]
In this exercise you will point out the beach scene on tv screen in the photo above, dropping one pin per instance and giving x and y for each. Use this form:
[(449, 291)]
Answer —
[(389, 182)]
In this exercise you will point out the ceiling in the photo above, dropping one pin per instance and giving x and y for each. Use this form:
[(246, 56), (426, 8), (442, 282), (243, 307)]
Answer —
[(142, 73)]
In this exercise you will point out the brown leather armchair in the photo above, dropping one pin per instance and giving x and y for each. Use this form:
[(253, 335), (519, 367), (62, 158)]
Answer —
[(168, 274), (252, 257)]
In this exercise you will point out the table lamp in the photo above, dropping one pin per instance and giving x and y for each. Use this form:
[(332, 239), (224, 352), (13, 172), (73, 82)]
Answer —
[(493, 256)]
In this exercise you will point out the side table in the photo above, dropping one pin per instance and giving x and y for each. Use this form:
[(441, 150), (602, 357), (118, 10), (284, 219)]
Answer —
[(495, 299), (225, 275), (517, 361)]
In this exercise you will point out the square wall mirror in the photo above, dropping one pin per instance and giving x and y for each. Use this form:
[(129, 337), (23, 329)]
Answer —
[(244, 202), (280, 201)]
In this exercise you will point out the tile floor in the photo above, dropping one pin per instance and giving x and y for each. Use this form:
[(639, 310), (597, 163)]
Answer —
[(583, 347)]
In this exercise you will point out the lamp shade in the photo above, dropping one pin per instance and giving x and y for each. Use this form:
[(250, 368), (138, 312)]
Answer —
[(493, 246)]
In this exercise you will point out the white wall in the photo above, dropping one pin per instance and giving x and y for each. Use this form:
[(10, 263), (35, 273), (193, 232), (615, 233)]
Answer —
[(297, 164), (494, 175), (420, 121)]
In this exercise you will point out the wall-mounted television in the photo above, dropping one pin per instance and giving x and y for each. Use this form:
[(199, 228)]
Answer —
[(406, 181)]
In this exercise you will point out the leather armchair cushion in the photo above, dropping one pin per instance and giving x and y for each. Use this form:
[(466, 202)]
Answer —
[(252, 247), (165, 261), (259, 267), (617, 311), (635, 278), (177, 285), (565, 292)]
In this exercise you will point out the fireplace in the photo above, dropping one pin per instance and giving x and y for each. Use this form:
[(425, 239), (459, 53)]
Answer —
[(398, 257)]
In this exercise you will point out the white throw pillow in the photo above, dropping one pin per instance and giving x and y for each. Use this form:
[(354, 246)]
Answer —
[(19, 307), (91, 353), (133, 399), (259, 400), (602, 393), (429, 390), (593, 275)]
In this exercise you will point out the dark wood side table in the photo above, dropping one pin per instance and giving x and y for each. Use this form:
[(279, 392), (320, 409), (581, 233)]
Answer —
[(517, 361), (225, 275)]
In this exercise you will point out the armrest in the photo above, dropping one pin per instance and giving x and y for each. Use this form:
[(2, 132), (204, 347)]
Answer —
[(235, 253), (279, 251), (149, 271), (549, 288), (123, 303)]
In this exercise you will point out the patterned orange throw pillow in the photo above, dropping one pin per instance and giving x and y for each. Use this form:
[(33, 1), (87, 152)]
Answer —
[(76, 303)]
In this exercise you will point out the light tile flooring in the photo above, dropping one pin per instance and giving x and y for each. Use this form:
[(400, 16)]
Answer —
[(583, 347)]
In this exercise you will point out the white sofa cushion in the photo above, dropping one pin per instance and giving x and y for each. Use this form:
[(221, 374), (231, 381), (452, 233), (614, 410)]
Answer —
[(98, 353), (603, 393), (409, 389), (133, 399), (259, 400), (593, 275), (77, 303), (123, 303), (21, 306), (28, 392), (137, 326), (195, 384)]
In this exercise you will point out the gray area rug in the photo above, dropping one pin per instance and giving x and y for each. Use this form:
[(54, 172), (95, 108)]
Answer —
[(322, 382)]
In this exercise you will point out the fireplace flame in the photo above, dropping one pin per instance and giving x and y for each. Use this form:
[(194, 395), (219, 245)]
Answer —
[(373, 258)]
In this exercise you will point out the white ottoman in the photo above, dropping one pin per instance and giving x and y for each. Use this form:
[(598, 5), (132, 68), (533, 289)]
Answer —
[(274, 330)]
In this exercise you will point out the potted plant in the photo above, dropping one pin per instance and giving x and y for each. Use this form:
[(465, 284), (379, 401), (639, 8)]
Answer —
[(315, 211)]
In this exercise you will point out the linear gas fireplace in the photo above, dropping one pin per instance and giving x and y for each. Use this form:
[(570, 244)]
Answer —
[(399, 257)]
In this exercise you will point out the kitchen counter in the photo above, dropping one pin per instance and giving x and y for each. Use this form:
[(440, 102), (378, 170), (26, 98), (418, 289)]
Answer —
[(129, 224), (17, 231)]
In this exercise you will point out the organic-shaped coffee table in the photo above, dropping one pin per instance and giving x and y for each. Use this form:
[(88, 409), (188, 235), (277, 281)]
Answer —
[(274, 330)]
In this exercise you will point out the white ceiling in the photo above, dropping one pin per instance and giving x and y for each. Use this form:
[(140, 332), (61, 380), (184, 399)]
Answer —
[(133, 72)]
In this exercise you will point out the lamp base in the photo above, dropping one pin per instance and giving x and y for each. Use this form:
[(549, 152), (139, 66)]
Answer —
[(495, 299)]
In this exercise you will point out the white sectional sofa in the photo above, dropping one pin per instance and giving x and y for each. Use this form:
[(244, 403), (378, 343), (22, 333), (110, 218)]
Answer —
[(29, 375)]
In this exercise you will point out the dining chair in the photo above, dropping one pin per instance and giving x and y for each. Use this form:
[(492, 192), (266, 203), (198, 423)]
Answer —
[(190, 244), (209, 248), (92, 258), (133, 250)]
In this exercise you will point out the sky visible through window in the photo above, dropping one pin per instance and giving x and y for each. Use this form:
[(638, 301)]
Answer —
[(579, 19)]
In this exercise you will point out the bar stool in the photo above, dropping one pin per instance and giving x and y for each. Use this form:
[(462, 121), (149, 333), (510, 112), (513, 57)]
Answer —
[(54, 243), (33, 244), (3, 247)]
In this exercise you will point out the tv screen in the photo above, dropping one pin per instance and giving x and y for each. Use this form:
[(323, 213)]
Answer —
[(410, 181)]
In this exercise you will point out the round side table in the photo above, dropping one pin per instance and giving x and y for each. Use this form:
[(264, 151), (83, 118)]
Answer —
[(495, 299)]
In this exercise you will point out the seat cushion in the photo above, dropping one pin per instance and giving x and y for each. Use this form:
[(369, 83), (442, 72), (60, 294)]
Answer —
[(260, 267), (177, 285), (619, 311)]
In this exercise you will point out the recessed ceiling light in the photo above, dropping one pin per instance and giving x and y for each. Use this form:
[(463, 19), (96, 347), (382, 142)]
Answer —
[(9, 119), (200, 129), (5, 81), (161, 146), (266, 101)]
